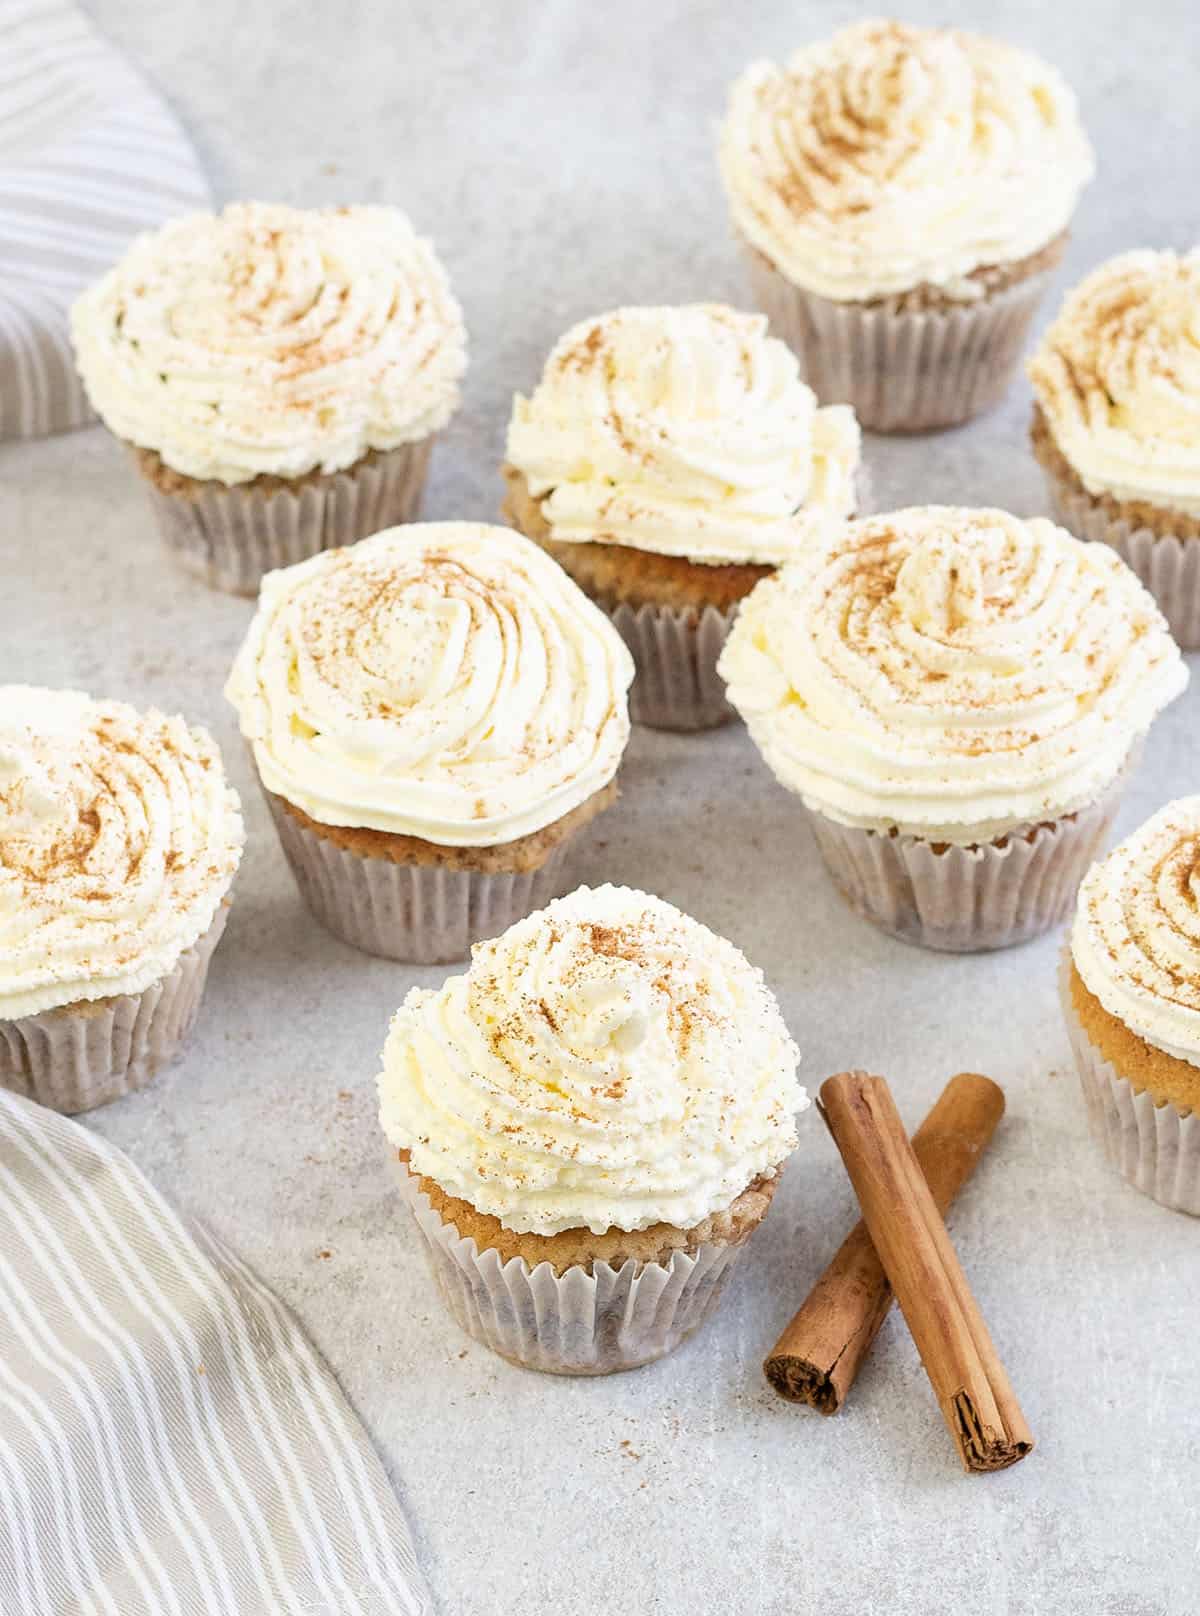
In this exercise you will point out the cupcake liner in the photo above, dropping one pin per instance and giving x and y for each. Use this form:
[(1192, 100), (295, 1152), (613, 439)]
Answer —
[(1168, 564), (675, 650), (78, 1056), (575, 1323), (231, 536), (902, 371), (421, 914), (1156, 1148), (965, 900)]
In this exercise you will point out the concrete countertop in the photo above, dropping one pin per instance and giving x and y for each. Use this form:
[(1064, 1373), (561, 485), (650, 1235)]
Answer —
[(562, 158)]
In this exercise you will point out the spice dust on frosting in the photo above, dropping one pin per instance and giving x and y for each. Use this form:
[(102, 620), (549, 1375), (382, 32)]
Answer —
[(441, 680), (890, 157), (685, 431), (606, 1063), (1136, 937), (950, 673), (1117, 378), (272, 340), (119, 839)]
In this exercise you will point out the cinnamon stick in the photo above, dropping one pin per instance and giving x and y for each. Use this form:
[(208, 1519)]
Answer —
[(973, 1391), (817, 1357)]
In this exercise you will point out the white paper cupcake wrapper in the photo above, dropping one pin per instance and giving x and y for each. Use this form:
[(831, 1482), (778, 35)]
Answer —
[(965, 900), (575, 1323), (903, 372), (83, 1055), (230, 537), (675, 651), (1168, 565), (1156, 1148), (421, 914)]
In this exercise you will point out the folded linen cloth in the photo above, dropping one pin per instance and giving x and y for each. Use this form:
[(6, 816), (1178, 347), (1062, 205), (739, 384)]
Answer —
[(89, 156), (170, 1443)]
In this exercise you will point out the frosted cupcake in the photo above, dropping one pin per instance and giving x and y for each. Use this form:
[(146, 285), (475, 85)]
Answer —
[(435, 714), (1132, 1002), (119, 841), (589, 1126), (956, 695), (669, 458), (904, 194), (1116, 425), (279, 375)]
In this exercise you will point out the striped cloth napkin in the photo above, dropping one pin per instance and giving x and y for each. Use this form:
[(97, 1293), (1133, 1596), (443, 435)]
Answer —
[(170, 1444), (89, 155)]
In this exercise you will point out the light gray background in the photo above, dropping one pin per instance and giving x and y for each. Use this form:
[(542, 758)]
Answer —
[(561, 156)]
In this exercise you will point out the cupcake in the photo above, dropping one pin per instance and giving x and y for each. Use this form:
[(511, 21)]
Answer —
[(119, 841), (956, 696), (670, 458), (1116, 425), (903, 194), (1131, 995), (278, 374), (435, 714), (588, 1126)]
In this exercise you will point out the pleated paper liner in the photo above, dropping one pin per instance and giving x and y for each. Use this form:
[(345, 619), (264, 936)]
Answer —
[(966, 900), (231, 536), (421, 914), (675, 651), (79, 1056), (1156, 1148), (902, 371), (1168, 564), (576, 1323)]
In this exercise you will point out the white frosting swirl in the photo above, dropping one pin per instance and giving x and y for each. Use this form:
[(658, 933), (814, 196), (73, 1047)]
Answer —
[(608, 1063), (954, 674), (1136, 937), (1117, 377), (119, 838), (891, 157), (445, 680), (271, 339), (685, 431)]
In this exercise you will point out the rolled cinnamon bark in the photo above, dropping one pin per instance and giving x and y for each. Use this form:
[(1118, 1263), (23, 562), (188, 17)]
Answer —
[(817, 1357), (973, 1391)]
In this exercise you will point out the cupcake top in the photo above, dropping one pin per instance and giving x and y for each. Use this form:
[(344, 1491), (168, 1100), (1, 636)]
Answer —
[(686, 431), (1136, 937), (608, 1063), (891, 157), (950, 673), (444, 680), (1117, 377), (271, 339), (119, 838)]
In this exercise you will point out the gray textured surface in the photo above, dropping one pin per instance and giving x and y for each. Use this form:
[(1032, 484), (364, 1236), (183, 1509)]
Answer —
[(561, 156)]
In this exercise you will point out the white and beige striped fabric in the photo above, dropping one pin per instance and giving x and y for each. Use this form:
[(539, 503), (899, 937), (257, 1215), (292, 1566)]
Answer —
[(170, 1444), (89, 155)]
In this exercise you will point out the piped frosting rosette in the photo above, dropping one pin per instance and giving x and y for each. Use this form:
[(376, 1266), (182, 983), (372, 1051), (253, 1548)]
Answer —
[(119, 839), (272, 339), (1117, 378), (686, 431), (950, 673), (607, 1063), (1136, 937), (445, 680), (891, 156)]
